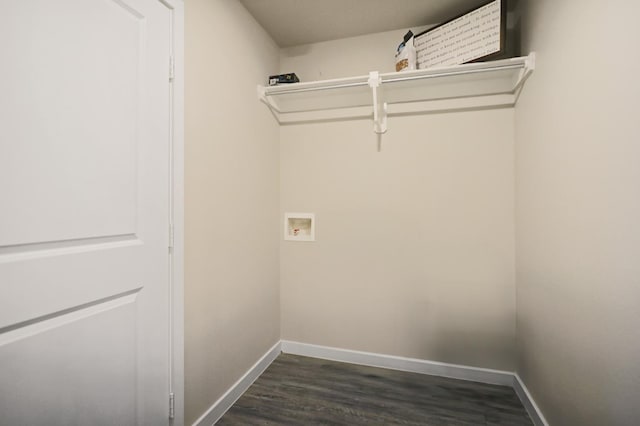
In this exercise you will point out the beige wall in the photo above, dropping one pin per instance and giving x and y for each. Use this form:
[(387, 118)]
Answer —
[(343, 58), (415, 244), (578, 206), (232, 233), (414, 250)]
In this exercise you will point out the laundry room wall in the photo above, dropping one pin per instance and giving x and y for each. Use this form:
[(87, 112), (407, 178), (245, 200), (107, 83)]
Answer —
[(414, 250), (578, 204), (232, 168)]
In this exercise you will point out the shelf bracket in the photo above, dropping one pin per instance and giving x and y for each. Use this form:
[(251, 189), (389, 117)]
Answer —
[(262, 96), (527, 70), (379, 111)]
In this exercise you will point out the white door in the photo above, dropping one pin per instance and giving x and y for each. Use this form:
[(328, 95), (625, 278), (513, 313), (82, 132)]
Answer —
[(84, 212)]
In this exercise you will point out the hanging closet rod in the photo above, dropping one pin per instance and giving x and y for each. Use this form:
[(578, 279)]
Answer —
[(452, 73), (293, 90)]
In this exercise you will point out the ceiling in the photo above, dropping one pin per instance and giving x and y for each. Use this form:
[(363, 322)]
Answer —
[(295, 22)]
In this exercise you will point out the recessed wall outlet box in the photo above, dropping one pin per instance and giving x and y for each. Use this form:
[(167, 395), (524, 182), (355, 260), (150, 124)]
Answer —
[(299, 227)]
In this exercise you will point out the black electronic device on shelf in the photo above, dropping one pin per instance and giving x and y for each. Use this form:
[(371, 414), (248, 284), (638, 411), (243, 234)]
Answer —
[(291, 77)]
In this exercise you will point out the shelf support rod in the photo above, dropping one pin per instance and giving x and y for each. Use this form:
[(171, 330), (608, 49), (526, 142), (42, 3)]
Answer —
[(379, 111), (529, 66), (275, 111)]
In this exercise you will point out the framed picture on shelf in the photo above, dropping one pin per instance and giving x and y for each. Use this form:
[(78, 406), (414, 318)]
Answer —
[(477, 35)]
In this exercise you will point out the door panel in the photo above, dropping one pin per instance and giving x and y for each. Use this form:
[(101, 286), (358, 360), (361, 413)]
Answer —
[(82, 108), (52, 282), (84, 222), (74, 387)]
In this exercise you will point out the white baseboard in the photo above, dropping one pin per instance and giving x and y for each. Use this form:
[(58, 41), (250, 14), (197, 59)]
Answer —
[(455, 371), (527, 400), (217, 410), (413, 365)]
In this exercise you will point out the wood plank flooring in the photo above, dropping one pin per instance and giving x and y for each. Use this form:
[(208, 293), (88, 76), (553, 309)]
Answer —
[(297, 390)]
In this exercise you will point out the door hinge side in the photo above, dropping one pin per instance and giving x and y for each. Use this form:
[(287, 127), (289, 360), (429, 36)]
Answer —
[(171, 237), (172, 405), (172, 68)]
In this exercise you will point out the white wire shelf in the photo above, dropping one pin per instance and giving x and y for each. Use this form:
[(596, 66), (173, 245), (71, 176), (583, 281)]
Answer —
[(468, 86)]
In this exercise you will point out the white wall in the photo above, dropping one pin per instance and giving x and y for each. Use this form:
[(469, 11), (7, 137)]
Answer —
[(414, 251), (232, 233), (578, 206)]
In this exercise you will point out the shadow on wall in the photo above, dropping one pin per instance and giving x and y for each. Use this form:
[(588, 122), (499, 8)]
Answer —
[(608, 378), (297, 51), (456, 340), (455, 326)]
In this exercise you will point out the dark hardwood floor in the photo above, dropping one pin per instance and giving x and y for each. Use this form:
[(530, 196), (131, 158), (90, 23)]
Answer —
[(297, 390)]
